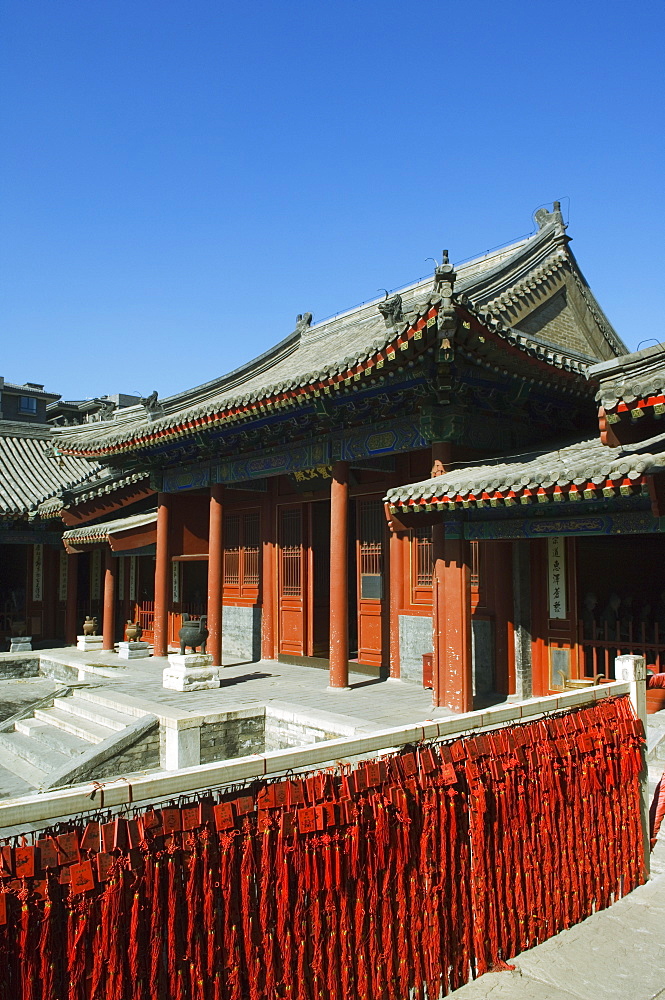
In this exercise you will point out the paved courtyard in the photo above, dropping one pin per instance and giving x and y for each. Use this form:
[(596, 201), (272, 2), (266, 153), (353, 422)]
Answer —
[(616, 954), (373, 702), (370, 704)]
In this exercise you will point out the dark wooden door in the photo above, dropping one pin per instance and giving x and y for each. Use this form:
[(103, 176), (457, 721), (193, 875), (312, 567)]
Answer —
[(318, 576)]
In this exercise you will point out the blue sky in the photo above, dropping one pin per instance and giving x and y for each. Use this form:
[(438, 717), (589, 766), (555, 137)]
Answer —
[(179, 178)]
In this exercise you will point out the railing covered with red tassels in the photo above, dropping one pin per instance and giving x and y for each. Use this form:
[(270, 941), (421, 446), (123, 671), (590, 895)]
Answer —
[(412, 872)]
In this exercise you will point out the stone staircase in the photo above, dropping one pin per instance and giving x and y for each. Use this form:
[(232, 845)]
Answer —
[(53, 738)]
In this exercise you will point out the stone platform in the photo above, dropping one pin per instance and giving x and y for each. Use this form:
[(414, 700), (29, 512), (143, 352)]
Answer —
[(190, 672)]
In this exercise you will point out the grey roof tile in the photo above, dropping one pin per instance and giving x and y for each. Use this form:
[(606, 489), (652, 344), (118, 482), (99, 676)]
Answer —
[(337, 343), (30, 473), (583, 461), (100, 532)]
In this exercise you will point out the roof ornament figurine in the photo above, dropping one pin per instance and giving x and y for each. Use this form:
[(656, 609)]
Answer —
[(151, 405), (545, 218), (106, 408), (303, 323), (444, 283), (391, 310)]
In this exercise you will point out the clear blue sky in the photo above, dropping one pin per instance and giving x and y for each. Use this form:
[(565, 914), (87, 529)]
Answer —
[(179, 178)]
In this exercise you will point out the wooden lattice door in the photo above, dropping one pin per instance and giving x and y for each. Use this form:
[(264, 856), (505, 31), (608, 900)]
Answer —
[(370, 559), (291, 592)]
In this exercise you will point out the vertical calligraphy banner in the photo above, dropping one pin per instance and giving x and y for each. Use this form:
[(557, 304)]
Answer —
[(95, 575), (63, 568), (556, 577), (37, 572), (121, 577), (132, 578)]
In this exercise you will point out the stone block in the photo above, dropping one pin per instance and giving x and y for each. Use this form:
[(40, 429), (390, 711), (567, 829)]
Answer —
[(191, 672), (133, 650), (89, 643), (21, 644)]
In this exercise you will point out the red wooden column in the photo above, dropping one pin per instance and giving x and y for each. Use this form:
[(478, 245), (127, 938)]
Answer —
[(339, 586), (396, 578), (453, 682), (71, 624), (108, 622), (215, 573), (268, 588), (162, 576)]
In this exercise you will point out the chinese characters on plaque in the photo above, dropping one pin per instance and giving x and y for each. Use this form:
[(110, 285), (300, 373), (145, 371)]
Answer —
[(556, 576)]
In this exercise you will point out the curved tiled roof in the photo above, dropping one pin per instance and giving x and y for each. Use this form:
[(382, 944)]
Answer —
[(97, 486), (30, 473), (100, 532), (631, 379), (576, 471), (327, 355)]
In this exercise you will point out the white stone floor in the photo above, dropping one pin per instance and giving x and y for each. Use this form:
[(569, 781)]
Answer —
[(371, 702)]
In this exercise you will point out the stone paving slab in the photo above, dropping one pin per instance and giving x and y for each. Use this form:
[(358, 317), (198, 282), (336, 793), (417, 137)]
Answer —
[(381, 703), (20, 692), (616, 954)]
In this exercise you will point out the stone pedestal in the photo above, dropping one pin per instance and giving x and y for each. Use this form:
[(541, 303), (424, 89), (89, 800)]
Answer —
[(20, 644), (133, 650), (191, 672), (89, 643)]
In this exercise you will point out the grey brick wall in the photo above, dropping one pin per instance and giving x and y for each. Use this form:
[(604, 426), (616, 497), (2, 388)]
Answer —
[(142, 756), (13, 665), (232, 738), (415, 639), (280, 735), (241, 633)]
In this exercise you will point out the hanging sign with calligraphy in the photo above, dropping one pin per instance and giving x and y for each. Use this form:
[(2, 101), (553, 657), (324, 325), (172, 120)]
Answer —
[(62, 576), (95, 575), (132, 578), (556, 576), (37, 572)]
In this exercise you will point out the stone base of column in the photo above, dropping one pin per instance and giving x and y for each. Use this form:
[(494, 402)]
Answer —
[(90, 643), (191, 672), (20, 644), (133, 650)]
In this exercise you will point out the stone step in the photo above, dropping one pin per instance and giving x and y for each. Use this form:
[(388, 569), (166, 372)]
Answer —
[(93, 711), (20, 768), (85, 729), (42, 758), (123, 703), (47, 735)]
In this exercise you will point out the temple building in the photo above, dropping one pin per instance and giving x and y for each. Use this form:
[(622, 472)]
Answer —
[(258, 498), (33, 564)]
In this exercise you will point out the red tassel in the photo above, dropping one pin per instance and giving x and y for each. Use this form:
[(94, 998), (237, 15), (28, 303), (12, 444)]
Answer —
[(47, 958), (156, 932), (134, 948), (172, 907), (248, 912)]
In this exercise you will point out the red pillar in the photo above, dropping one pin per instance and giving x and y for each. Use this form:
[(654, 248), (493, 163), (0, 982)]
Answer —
[(108, 623), (339, 589), (268, 575), (71, 622), (396, 597), (453, 682), (215, 573), (162, 576)]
